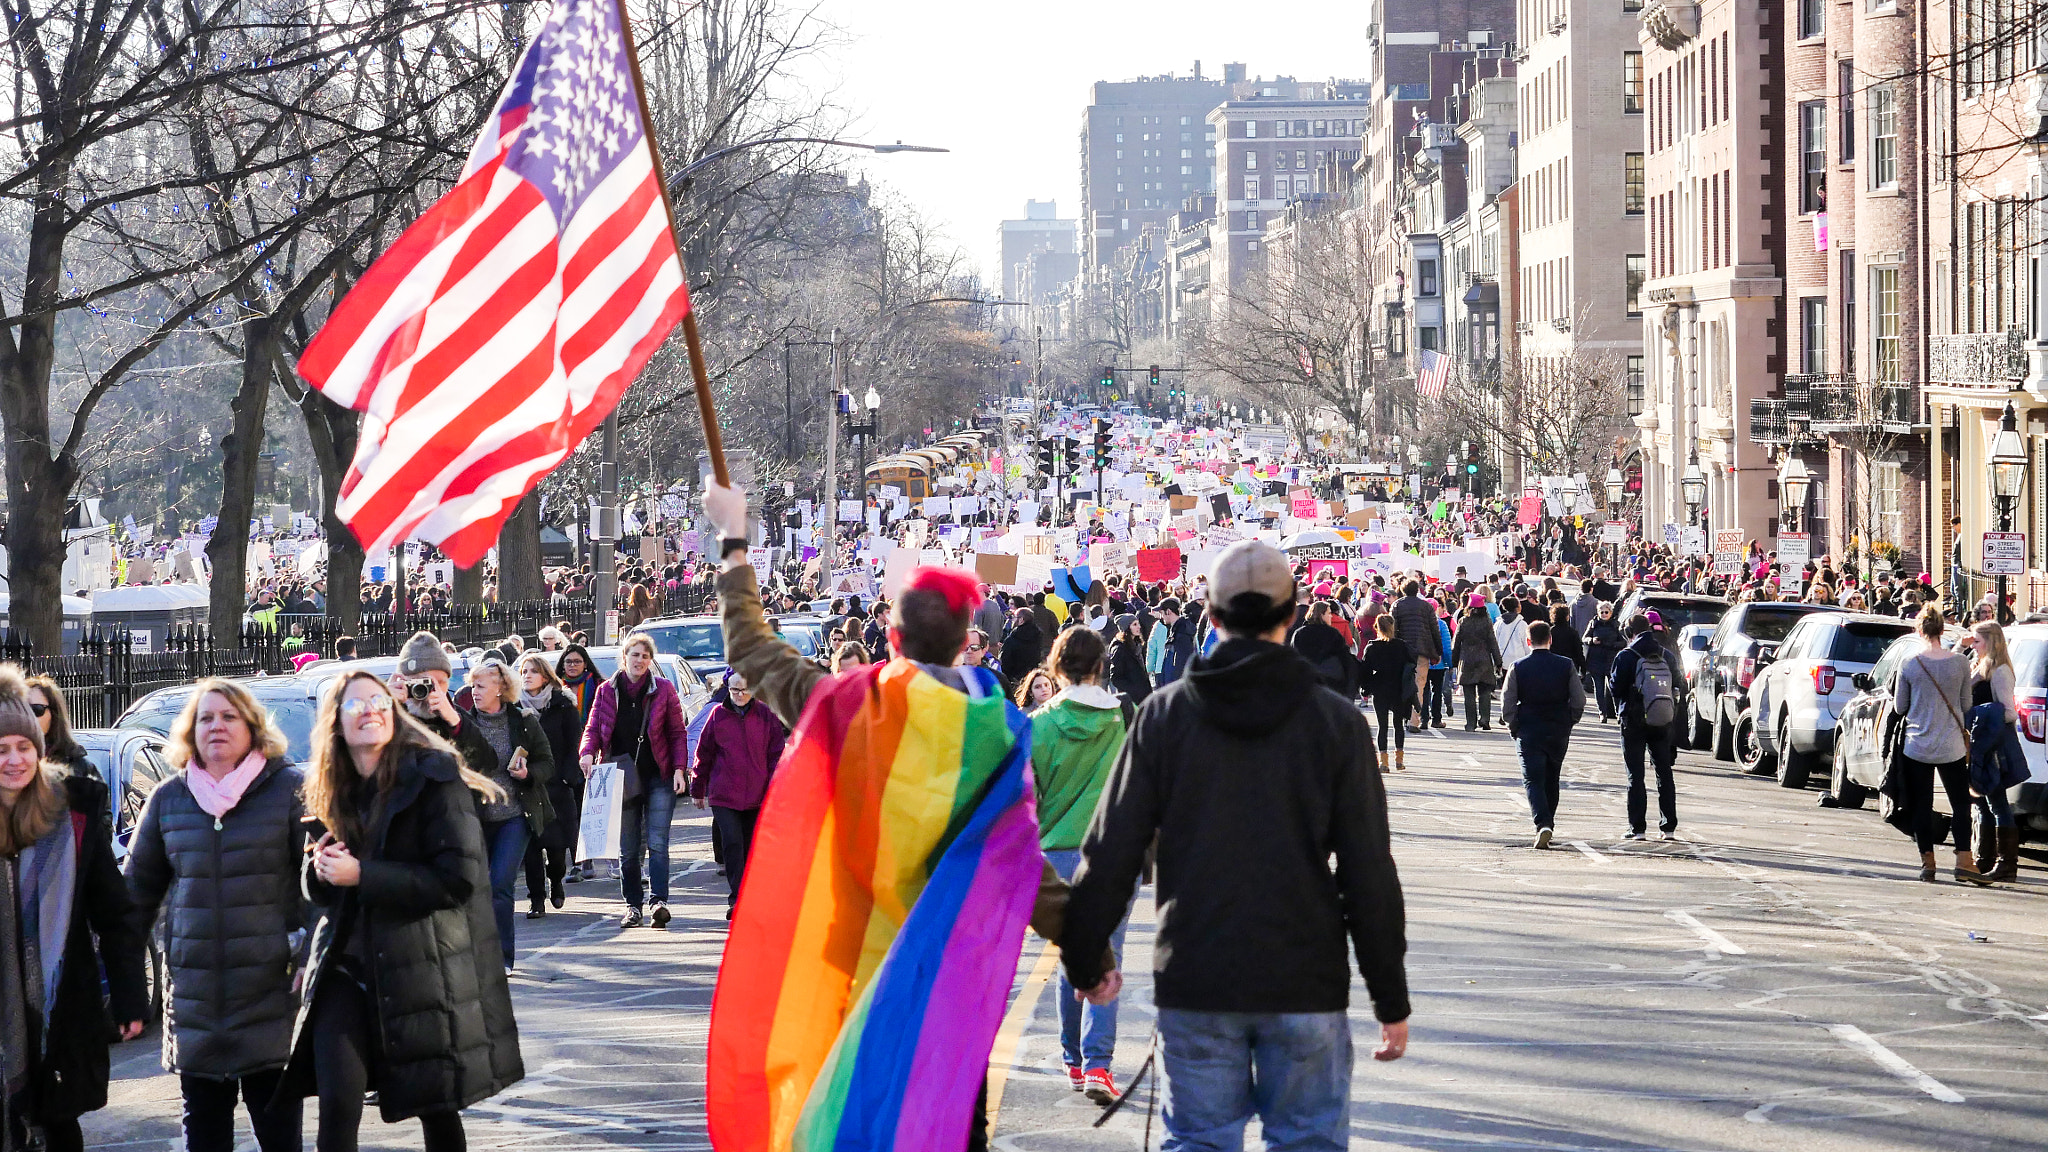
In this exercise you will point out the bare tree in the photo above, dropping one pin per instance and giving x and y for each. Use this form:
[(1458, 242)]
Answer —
[(1557, 415)]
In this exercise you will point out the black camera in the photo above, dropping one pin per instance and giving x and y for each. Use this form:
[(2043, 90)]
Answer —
[(419, 689)]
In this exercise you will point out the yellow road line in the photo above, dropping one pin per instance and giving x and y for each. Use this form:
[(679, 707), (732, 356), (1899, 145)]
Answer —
[(1005, 1050)]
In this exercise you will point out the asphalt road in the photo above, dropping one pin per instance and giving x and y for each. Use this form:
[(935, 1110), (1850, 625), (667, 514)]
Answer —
[(1776, 979)]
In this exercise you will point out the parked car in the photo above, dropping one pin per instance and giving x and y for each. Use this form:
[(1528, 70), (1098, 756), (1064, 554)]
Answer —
[(293, 703), (1679, 611), (2029, 645), (1692, 646), (1866, 728), (694, 691), (1801, 688), (698, 640), (1720, 695)]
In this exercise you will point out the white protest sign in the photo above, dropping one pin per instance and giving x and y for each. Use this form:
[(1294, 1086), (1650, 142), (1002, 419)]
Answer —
[(598, 836)]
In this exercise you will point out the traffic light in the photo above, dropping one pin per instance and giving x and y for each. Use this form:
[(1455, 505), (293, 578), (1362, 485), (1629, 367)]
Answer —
[(1101, 443), (1073, 451), (1108, 376), (1155, 375), (1471, 458), (1047, 455)]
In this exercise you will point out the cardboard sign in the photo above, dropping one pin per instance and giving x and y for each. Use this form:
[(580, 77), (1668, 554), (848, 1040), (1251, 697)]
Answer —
[(650, 550), (1303, 507), (1179, 503), (1727, 551), (994, 568), (1158, 565)]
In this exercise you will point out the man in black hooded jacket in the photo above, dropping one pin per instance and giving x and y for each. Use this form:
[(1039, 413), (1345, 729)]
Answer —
[(1252, 777)]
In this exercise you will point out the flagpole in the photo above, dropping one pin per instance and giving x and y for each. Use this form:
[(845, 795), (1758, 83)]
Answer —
[(706, 411)]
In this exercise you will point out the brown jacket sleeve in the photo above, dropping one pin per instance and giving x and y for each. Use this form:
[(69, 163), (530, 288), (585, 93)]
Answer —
[(776, 672)]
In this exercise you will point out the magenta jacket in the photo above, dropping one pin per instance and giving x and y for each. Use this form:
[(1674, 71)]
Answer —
[(736, 755), (667, 727)]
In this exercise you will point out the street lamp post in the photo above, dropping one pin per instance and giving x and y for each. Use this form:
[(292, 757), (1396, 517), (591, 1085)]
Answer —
[(1617, 486), (2008, 480)]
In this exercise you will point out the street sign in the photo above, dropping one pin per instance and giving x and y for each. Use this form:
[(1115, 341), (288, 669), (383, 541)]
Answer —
[(1794, 550), (1727, 551), (2005, 553), (1614, 532)]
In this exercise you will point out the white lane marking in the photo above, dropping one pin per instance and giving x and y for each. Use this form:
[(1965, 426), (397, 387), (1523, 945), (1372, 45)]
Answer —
[(576, 937), (1437, 732), (1894, 1063), (1597, 858), (1470, 761), (1708, 934)]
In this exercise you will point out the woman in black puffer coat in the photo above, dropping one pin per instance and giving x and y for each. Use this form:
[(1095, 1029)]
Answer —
[(217, 853), (405, 991), (548, 854)]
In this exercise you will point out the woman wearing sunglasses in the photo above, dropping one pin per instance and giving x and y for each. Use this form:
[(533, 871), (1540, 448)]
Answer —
[(406, 992), (46, 700)]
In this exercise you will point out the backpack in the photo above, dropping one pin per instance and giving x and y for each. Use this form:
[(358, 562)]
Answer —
[(1653, 688)]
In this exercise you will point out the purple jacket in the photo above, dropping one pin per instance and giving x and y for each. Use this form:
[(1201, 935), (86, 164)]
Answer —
[(736, 755), (667, 727)]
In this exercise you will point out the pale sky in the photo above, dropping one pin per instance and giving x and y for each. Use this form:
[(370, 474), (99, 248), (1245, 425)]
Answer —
[(1004, 85)]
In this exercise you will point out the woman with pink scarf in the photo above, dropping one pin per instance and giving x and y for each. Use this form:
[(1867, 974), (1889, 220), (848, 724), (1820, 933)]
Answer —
[(217, 854)]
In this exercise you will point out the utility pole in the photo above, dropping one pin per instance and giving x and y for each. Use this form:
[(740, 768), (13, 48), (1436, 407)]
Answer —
[(825, 550), (603, 568)]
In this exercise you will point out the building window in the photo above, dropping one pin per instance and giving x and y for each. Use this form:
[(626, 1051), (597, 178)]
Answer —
[(1886, 507), (1634, 269), (1251, 129), (1631, 5), (1632, 183), (1884, 136), (1251, 187), (1848, 282), (1811, 23), (1426, 338), (1845, 99), (1884, 324), (1300, 159), (1634, 381), (1813, 156), (1631, 81), (1425, 278), (1251, 161), (1813, 329)]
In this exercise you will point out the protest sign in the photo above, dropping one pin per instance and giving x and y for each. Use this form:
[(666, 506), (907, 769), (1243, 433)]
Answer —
[(995, 569), (1158, 565), (598, 836)]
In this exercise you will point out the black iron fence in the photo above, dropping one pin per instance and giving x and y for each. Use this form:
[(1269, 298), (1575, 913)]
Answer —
[(109, 673)]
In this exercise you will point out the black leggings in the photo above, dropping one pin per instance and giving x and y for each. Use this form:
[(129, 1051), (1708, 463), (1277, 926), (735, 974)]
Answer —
[(343, 1051), (210, 1112), (1955, 780), (544, 865), (1390, 715)]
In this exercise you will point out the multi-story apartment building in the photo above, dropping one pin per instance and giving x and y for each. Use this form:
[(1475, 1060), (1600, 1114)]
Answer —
[(1580, 115), (1144, 149), (1277, 141), (1041, 230), (1713, 302)]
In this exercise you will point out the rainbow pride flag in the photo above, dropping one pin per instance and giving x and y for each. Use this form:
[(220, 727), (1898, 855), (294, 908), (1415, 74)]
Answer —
[(892, 872)]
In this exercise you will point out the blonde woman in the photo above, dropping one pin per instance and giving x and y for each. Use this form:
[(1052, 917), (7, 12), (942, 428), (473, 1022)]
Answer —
[(521, 764), (1931, 690), (217, 855), (56, 850), (1997, 762), (400, 876), (547, 855), (639, 714)]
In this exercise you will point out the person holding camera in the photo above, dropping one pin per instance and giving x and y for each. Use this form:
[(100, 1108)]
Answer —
[(421, 683)]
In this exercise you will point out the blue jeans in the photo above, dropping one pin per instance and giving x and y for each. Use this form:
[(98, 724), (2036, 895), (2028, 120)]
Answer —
[(1292, 1068), (1092, 1045), (643, 830), (505, 843), (1542, 749)]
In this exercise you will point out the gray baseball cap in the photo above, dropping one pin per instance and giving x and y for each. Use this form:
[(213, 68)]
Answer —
[(1251, 566)]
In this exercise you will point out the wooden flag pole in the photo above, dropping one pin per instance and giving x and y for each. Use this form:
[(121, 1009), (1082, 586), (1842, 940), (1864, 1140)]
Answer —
[(706, 410)]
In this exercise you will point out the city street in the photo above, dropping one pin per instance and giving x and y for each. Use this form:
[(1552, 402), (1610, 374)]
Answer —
[(1774, 979)]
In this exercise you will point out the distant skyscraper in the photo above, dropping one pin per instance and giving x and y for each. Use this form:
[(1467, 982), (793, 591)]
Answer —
[(1145, 147), (1041, 230)]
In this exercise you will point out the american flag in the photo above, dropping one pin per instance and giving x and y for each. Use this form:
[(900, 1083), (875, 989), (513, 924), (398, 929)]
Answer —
[(504, 324), (1432, 371)]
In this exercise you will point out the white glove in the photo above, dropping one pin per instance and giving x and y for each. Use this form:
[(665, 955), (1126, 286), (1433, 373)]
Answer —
[(727, 507)]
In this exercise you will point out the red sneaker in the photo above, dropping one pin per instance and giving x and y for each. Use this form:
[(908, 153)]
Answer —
[(1076, 1078), (1099, 1087)]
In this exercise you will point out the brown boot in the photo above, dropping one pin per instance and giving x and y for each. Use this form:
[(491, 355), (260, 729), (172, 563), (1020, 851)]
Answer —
[(1966, 871), (2007, 869), (1383, 761), (1927, 867), (1400, 761)]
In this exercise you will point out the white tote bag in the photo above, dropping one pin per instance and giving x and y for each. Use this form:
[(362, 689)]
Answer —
[(598, 839)]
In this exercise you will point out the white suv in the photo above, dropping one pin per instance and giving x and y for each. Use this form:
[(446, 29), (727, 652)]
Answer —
[(2029, 645), (1797, 697)]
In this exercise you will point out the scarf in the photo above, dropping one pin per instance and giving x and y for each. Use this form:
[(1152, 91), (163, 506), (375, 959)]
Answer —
[(538, 701), (219, 797)]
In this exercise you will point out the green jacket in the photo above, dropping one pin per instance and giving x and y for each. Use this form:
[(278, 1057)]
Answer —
[(1075, 739)]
